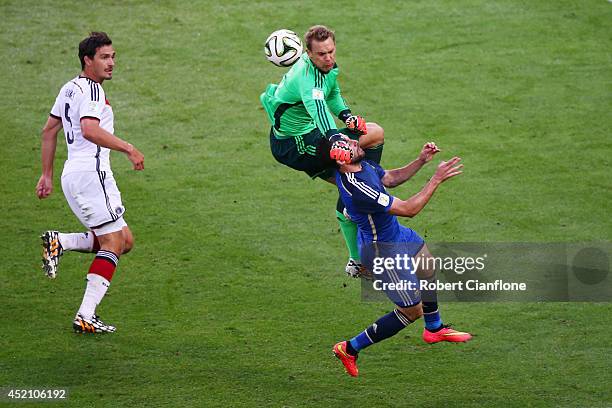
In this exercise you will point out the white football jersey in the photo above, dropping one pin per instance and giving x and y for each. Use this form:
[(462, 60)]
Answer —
[(83, 98)]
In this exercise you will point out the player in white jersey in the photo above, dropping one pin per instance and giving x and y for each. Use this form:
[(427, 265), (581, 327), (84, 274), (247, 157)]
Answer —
[(81, 108)]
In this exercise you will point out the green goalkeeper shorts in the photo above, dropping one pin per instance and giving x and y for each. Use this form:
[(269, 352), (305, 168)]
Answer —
[(300, 152)]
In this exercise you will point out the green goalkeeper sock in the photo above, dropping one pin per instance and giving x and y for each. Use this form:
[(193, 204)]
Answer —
[(349, 232)]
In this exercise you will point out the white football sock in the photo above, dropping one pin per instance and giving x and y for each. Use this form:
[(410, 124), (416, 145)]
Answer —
[(94, 292), (78, 241)]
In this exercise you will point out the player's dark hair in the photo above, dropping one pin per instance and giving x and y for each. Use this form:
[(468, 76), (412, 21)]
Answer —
[(322, 153), (89, 46), (318, 33)]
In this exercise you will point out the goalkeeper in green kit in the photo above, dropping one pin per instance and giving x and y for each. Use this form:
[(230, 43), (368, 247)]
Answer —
[(300, 111)]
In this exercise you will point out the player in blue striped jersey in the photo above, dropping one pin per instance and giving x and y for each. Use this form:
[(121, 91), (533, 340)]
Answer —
[(363, 188)]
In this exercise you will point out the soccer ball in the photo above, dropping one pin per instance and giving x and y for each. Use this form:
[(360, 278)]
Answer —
[(283, 48)]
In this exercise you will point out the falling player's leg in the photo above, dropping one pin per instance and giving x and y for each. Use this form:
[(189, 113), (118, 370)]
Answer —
[(408, 308), (386, 326), (435, 330)]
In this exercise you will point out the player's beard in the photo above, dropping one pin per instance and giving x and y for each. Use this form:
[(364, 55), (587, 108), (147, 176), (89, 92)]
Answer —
[(360, 156)]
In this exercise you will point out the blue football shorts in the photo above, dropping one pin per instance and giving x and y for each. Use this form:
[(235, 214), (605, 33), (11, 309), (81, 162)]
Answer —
[(393, 266)]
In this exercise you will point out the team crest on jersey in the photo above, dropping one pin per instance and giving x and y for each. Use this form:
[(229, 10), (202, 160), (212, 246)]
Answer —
[(317, 94), (92, 106), (383, 199)]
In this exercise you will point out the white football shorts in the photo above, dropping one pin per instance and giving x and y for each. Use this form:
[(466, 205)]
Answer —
[(95, 199)]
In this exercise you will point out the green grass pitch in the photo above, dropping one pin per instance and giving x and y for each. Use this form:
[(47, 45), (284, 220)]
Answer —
[(234, 293)]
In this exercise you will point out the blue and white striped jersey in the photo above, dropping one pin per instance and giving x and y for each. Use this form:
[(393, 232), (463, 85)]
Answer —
[(367, 203)]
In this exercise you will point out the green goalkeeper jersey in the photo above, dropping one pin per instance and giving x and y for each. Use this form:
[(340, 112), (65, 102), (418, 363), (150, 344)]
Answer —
[(302, 101)]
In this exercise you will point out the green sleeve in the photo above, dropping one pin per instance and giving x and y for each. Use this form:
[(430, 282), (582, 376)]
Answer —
[(337, 104), (313, 98)]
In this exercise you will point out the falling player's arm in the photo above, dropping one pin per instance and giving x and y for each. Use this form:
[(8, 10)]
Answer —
[(413, 205), (395, 177), (48, 145), (94, 133)]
